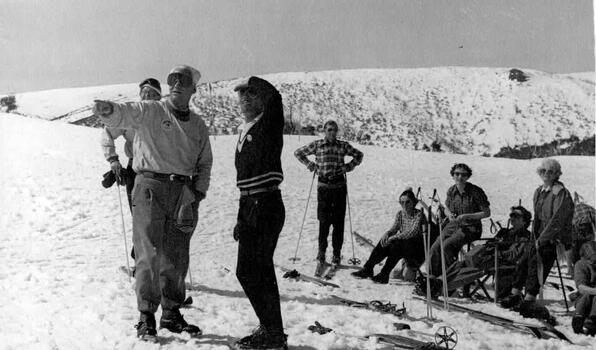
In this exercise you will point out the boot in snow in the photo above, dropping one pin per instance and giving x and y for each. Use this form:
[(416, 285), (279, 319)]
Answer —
[(146, 327), (173, 321)]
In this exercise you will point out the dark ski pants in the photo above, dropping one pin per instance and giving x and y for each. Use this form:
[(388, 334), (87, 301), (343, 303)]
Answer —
[(412, 248), (526, 270), (161, 246), (585, 306), (455, 237), (331, 211), (129, 182), (260, 219)]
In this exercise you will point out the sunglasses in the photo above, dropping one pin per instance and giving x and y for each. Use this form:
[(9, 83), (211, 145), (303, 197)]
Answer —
[(516, 215), (331, 130), (184, 80), (545, 171), (457, 173), (405, 202)]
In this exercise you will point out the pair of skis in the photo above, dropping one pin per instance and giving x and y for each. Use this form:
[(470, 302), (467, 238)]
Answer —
[(444, 339), (294, 274), (545, 331)]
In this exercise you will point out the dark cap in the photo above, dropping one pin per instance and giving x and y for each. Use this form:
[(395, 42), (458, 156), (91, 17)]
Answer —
[(151, 83)]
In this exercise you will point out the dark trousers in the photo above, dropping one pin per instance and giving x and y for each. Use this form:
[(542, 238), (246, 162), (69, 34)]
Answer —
[(260, 220), (331, 211), (129, 182), (526, 270), (455, 237), (585, 306), (412, 249), (161, 242)]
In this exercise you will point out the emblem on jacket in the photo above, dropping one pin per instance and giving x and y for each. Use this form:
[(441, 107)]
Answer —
[(166, 125)]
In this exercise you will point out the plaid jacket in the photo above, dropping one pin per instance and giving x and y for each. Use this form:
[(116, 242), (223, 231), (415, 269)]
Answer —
[(329, 156)]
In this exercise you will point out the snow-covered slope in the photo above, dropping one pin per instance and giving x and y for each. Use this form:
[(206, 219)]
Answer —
[(61, 245), (467, 110)]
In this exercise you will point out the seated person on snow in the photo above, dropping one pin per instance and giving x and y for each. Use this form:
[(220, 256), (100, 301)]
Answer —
[(480, 259), (553, 212), (402, 240), (585, 282)]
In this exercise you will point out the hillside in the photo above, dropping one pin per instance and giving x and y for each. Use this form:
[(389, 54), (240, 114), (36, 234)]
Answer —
[(466, 110)]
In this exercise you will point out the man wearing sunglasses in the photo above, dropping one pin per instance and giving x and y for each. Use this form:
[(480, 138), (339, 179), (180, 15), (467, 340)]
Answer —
[(172, 159), (261, 212), (331, 188)]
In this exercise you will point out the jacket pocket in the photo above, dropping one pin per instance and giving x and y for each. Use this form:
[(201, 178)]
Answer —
[(186, 215)]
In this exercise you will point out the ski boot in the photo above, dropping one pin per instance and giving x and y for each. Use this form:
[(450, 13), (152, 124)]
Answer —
[(321, 264), (173, 321), (512, 301), (364, 272), (146, 327), (262, 338)]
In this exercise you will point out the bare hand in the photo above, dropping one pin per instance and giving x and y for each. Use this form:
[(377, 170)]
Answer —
[(102, 108), (384, 240)]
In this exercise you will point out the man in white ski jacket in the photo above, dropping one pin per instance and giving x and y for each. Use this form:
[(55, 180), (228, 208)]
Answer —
[(172, 158)]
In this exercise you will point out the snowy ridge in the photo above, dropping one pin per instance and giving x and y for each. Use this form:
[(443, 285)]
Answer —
[(468, 110), (61, 246)]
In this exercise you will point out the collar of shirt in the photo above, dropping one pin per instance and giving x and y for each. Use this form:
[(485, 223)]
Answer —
[(545, 188), (245, 128), (464, 191), (328, 142)]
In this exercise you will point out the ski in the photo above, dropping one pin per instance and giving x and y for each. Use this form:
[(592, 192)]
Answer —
[(288, 273), (385, 308), (364, 241), (564, 276), (404, 342), (542, 332)]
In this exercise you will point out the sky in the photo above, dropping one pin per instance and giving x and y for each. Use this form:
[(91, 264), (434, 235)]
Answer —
[(73, 43)]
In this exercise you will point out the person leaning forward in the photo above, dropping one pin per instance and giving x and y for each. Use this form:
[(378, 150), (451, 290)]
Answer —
[(172, 159), (261, 213)]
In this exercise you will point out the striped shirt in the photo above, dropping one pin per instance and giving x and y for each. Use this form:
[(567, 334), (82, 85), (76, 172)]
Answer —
[(405, 226), (329, 156)]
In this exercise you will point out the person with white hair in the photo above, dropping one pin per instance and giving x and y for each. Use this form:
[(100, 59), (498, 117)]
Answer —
[(172, 159), (553, 212)]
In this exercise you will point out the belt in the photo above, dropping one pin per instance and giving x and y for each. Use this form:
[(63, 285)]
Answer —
[(258, 190), (169, 177)]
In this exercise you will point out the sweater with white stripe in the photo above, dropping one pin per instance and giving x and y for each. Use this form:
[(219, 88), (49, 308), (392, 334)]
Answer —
[(258, 161)]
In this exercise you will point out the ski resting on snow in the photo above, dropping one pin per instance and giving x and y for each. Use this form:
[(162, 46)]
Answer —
[(542, 332)]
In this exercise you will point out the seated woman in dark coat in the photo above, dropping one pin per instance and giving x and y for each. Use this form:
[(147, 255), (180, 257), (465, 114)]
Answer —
[(402, 240)]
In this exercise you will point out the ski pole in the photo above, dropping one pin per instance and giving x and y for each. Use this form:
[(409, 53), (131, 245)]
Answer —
[(303, 219), (496, 272), (354, 260), (444, 272), (562, 285), (123, 228)]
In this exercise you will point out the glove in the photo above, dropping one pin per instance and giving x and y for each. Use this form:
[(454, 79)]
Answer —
[(312, 167), (116, 167)]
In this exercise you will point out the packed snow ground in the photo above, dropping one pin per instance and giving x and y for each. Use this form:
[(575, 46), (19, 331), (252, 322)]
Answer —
[(61, 247)]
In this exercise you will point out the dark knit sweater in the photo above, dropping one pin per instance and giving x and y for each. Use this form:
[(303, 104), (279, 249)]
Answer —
[(258, 164)]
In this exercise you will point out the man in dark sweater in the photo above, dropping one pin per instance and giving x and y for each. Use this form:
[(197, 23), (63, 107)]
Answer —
[(261, 213)]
